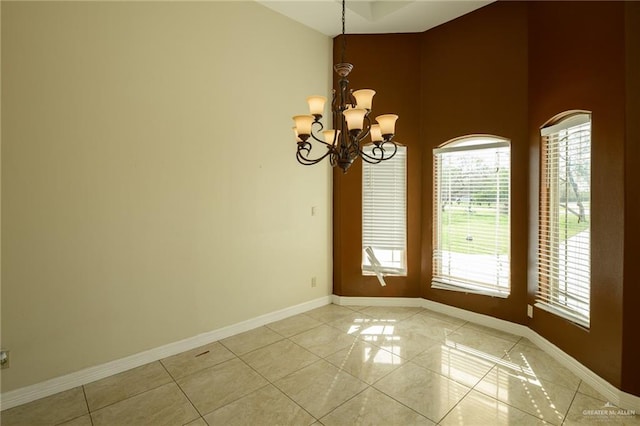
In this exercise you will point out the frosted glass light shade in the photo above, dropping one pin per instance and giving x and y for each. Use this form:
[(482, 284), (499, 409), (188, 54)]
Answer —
[(364, 98), (355, 118), (316, 104), (295, 132), (387, 123), (376, 134), (331, 135), (303, 124)]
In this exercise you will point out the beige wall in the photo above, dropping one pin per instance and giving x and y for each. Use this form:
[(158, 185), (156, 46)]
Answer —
[(138, 206)]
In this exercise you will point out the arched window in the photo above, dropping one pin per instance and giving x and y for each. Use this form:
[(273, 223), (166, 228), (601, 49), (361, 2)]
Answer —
[(471, 207), (564, 263)]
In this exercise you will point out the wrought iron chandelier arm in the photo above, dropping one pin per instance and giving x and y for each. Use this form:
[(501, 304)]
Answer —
[(306, 147), (308, 162), (319, 130), (366, 128), (354, 148), (375, 159)]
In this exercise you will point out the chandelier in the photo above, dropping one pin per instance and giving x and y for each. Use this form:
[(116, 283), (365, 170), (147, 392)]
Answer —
[(351, 118)]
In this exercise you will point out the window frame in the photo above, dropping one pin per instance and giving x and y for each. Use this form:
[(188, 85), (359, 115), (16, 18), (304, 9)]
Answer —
[(444, 281), (400, 177), (548, 294)]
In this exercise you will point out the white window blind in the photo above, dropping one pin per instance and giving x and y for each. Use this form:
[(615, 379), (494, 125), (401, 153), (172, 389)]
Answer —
[(564, 254), (471, 216), (384, 213)]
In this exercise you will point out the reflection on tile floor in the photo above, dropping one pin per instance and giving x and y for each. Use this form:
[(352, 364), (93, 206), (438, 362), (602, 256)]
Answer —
[(340, 365)]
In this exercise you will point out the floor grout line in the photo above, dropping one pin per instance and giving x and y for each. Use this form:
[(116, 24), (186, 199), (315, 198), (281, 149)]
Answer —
[(375, 316), (132, 395), (275, 386), (86, 401), (182, 390)]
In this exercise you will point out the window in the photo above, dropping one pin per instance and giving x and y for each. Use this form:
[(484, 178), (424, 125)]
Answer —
[(563, 231), (471, 216), (384, 215)]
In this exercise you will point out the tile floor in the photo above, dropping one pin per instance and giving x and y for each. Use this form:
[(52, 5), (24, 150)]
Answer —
[(339, 365)]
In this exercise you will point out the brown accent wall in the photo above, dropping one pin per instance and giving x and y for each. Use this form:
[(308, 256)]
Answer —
[(505, 70), (631, 293), (474, 80), (576, 61), (390, 65)]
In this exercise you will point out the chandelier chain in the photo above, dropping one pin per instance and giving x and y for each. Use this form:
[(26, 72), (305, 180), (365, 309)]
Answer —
[(344, 37), (352, 123)]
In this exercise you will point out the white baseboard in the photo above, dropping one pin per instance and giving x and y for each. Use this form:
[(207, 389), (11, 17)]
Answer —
[(481, 319), (613, 394), (592, 379), (68, 381), (412, 302), (59, 384), (628, 401)]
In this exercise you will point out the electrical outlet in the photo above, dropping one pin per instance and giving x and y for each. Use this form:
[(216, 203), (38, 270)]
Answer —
[(313, 281), (4, 359), (530, 311)]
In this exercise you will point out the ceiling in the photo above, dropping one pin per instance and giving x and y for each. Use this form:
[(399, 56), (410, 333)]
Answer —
[(373, 16)]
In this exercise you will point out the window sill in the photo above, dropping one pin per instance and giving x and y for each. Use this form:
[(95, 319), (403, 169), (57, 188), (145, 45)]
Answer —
[(387, 271), (580, 322), (384, 274), (440, 285)]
